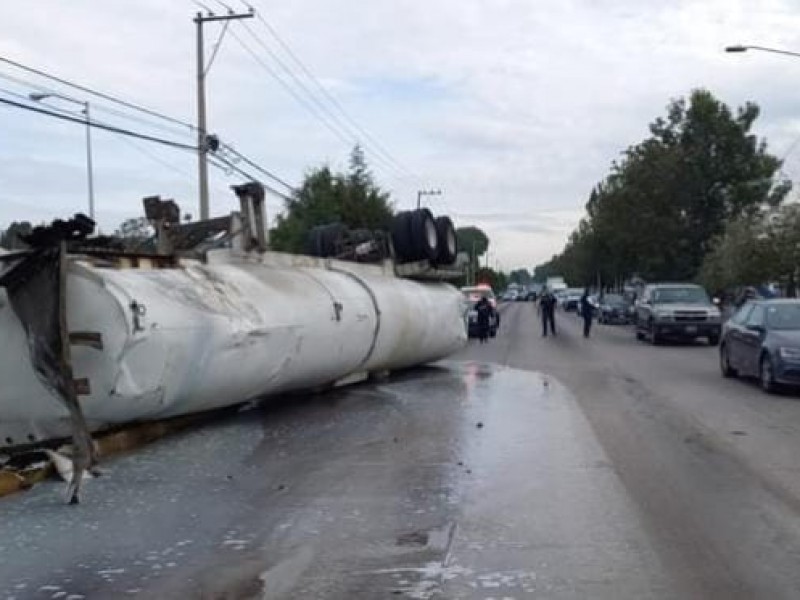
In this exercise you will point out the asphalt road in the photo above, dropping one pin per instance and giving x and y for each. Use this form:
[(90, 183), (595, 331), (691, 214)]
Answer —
[(522, 468)]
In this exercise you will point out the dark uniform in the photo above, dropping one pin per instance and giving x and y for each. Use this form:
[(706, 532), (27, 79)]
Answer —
[(547, 308), (587, 311), (484, 310)]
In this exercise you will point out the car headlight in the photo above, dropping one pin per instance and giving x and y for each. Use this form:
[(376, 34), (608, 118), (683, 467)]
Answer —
[(664, 315), (790, 354), (714, 314)]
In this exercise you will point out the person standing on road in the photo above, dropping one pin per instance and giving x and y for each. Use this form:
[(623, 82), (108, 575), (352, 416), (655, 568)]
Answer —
[(484, 310), (547, 311), (587, 312)]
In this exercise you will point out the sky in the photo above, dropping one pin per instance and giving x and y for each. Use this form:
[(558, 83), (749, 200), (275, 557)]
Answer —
[(513, 109)]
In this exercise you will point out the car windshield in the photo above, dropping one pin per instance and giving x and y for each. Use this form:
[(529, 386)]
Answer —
[(783, 317), (679, 295)]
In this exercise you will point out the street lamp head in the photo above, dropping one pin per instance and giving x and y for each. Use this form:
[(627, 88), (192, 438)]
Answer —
[(38, 97), (737, 48)]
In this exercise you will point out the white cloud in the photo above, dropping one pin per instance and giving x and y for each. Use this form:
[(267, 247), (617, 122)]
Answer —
[(512, 107)]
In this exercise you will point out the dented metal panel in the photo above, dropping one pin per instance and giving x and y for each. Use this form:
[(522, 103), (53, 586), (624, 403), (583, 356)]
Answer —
[(154, 343)]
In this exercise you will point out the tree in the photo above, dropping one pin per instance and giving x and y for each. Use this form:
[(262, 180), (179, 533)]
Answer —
[(10, 238), (351, 198), (664, 203), (496, 279), (756, 249), (473, 241), (137, 235), (520, 276)]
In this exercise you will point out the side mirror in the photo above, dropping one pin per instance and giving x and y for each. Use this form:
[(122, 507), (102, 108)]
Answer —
[(716, 301), (755, 327)]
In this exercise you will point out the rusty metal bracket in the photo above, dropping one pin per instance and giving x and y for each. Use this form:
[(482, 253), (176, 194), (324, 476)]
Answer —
[(92, 339), (82, 386)]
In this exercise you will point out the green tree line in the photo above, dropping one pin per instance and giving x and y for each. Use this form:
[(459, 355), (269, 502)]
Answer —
[(668, 202)]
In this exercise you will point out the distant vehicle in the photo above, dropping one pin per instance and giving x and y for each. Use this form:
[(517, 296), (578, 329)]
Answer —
[(571, 298), (677, 310), (472, 295), (613, 309), (556, 284), (509, 296), (762, 339), (531, 296)]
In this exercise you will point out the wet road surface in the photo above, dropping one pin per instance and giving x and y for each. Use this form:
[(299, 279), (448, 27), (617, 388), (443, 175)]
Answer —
[(524, 468)]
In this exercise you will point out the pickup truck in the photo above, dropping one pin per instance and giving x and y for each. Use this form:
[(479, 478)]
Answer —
[(677, 310)]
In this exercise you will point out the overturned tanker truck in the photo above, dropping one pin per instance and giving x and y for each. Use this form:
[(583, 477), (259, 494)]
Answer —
[(94, 336)]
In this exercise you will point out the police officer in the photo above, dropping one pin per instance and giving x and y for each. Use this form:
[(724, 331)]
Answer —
[(587, 312), (547, 311)]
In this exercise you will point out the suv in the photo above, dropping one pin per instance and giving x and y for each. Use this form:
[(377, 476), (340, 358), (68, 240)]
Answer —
[(677, 310)]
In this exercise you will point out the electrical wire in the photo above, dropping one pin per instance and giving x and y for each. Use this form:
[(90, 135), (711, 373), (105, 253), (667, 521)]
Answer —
[(96, 93), (319, 105), (258, 168), (99, 107), (96, 107), (91, 123), (231, 165), (330, 97), (342, 137), (216, 48)]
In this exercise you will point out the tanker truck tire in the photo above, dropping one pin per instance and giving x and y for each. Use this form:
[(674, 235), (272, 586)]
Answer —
[(424, 235), (401, 237), (448, 244)]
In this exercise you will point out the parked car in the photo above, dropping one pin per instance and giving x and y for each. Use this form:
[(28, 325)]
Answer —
[(471, 296), (677, 310), (509, 296), (762, 339), (613, 309)]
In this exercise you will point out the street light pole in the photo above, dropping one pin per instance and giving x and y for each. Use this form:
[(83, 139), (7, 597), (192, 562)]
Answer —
[(89, 169), (741, 48)]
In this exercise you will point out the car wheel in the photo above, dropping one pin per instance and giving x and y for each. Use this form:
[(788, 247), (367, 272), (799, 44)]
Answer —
[(767, 375), (639, 332), (713, 340), (725, 362)]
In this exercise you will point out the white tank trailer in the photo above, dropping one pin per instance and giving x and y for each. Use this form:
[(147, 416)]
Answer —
[(206, 324)]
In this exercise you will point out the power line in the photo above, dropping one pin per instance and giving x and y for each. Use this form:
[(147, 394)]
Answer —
[(96, 93), (330, 97), (258, 168), (290, 90), (98, 125), (183, 125), (97, 106), (234, 167), (322, 107)]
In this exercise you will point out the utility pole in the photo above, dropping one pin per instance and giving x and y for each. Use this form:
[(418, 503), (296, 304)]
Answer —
[(421, 193), (203, 138)]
